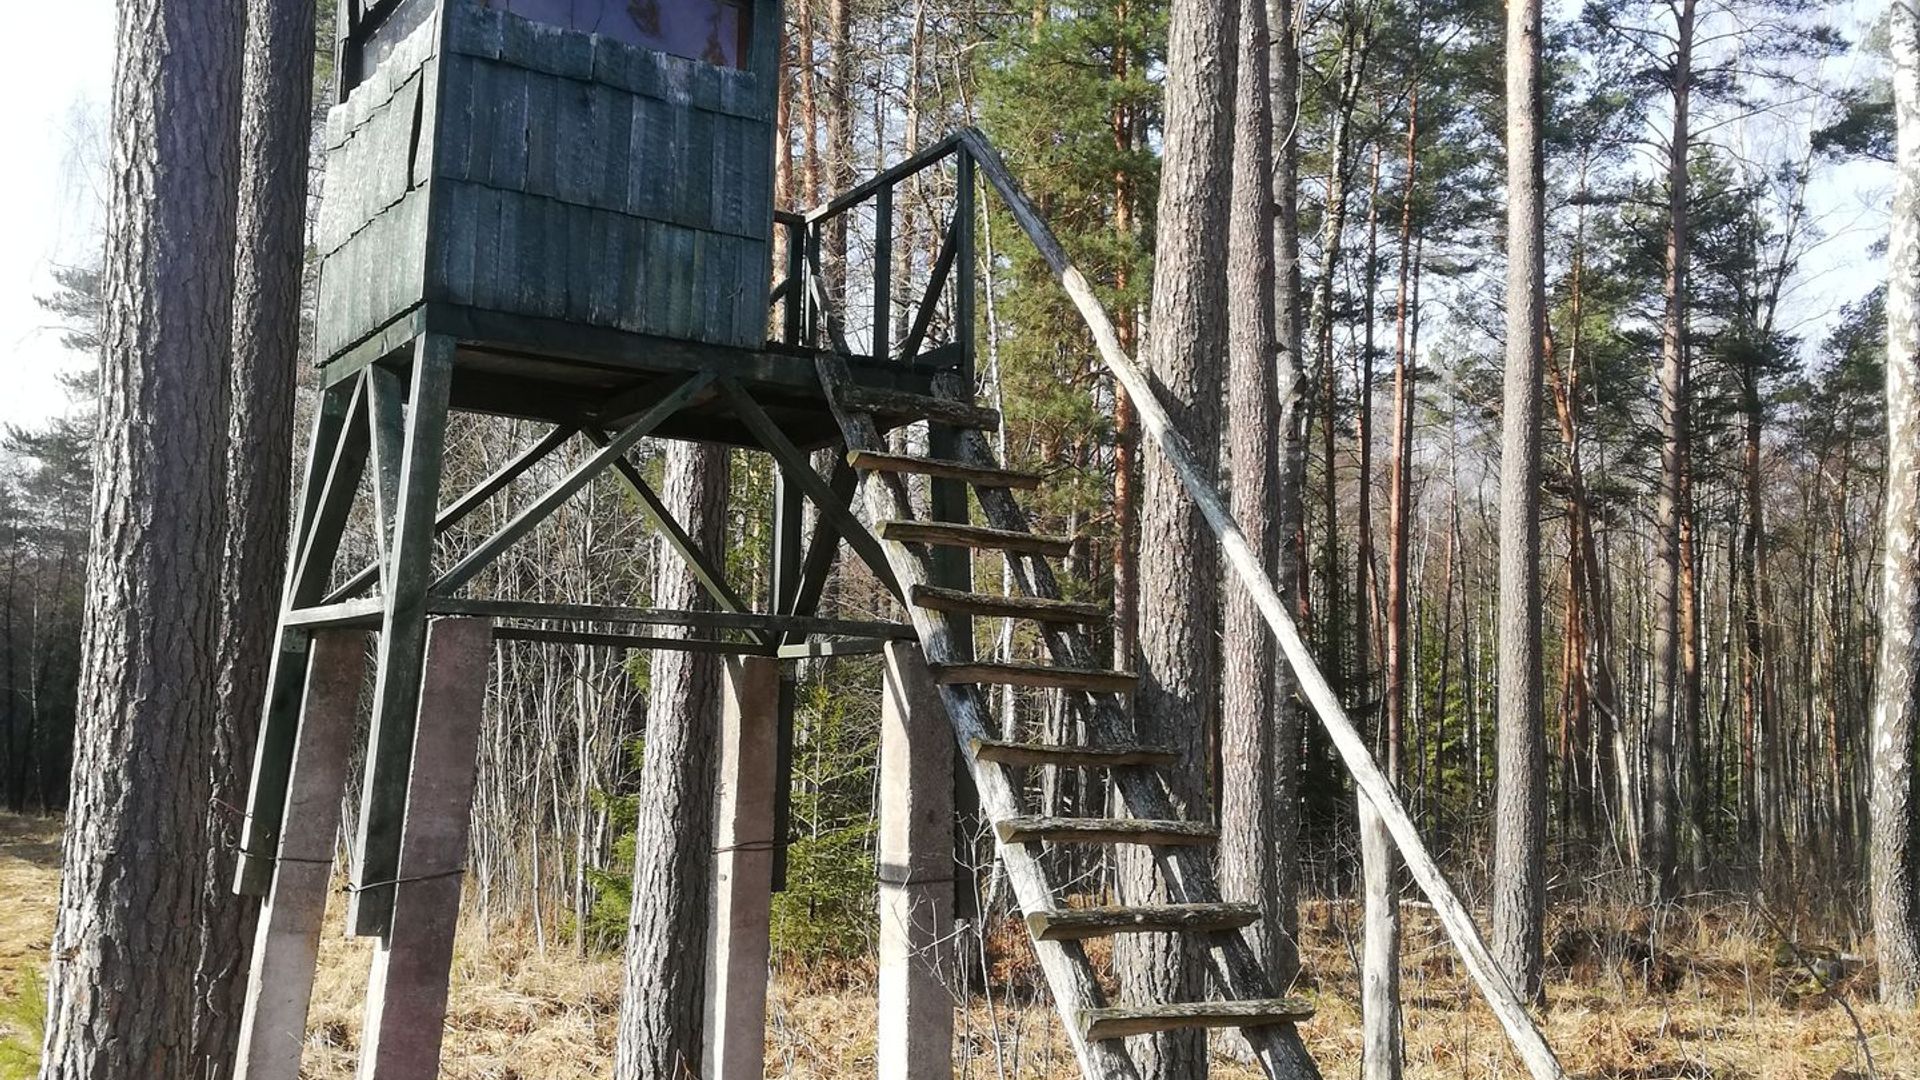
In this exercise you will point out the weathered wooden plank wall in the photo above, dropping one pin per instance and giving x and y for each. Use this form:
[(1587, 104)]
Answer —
[(569, 176)]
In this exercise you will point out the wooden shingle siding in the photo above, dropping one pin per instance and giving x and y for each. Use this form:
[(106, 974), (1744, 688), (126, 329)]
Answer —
[(563, 176)]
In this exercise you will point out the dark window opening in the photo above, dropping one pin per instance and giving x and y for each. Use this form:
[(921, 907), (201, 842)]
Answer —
[(714, 31)]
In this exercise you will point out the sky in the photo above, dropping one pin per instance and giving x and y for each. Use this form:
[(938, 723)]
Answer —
[(56, 69), (55, 73)]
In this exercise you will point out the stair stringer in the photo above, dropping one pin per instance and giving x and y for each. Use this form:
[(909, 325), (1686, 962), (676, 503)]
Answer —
[(1068, 971), (1278, 1048)]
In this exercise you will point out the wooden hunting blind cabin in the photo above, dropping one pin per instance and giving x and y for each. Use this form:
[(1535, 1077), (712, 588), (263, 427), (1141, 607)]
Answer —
[(560, 211)]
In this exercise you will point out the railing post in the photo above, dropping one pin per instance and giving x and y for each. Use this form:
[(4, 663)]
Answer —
[(963, 285), (882, 271), (793, 317)]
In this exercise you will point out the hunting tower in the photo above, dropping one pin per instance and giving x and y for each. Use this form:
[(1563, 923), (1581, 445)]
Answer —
[(565, 186), (561, 212)]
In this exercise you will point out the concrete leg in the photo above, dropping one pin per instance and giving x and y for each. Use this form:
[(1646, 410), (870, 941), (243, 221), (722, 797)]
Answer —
[(273, 1022), (916, 873), (407, 989), (736, 1029)]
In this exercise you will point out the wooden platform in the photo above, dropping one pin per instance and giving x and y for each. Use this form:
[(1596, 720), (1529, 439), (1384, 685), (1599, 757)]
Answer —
[(563, 373)]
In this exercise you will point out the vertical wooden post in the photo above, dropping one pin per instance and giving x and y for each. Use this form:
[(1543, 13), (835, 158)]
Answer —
[(916, 872), (335, 459), (273, 1023), (743, 873), (405, 576), (407, 989)]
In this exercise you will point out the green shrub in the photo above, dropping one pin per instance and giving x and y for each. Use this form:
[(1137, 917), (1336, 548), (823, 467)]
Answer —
[(23, 1027)]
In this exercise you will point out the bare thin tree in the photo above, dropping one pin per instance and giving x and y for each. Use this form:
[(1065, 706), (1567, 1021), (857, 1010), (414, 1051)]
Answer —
[(123, 986), (1520, 794), (1895, 815), (1247, 749)]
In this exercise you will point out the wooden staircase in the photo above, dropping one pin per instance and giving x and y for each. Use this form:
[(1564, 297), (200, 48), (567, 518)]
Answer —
[(1180, 848)]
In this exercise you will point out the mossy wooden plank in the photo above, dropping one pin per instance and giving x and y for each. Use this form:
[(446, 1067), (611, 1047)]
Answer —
[(1073, 830), (575, 173), (990, 605), (543, 135), (944, 469), (1090, 680), (1055, 755), (974, 536), (1127, 1020), (475, 30), (1077, 924), (508, 169)]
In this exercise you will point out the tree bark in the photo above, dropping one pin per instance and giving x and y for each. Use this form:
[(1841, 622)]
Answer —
[(270, 263), (1520, 794), (1658, 855), (1895, 814), (1289, 513), (1179, 587), (123, 985), (664, 999), (1247, 752)]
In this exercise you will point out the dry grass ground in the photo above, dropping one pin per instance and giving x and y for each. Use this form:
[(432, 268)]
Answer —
[(1706, 996)]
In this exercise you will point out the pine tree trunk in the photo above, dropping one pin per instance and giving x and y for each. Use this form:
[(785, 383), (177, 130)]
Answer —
[(1247, 711), (664, 998), (269, 266), (1179, 583), (133, 894), (1895, 813), (1290, 719), (1520, 808), (1658, 855)]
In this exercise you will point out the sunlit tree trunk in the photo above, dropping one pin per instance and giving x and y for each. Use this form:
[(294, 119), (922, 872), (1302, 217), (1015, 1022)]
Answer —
[(1895, 815), (1179, 586), (126, 948), (1520, 799)]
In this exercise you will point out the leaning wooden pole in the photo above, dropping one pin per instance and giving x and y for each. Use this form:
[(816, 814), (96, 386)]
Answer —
[(1458, 922)]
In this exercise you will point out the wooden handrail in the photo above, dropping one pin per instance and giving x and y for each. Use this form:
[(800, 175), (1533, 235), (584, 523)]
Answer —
[(1507, 1006)]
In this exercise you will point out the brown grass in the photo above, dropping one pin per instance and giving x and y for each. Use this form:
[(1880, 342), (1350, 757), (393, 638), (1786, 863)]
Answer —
[(1708, 994)]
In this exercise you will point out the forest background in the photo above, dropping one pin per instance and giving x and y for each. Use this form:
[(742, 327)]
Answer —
[(1402, 277)]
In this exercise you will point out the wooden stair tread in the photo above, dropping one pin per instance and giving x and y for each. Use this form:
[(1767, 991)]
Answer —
[(1046, 676), (957, 602), (978, 476), (954, 534), (1124, 1020), (904, 405), (1073, 924), (1050, 754), (1053, 830)]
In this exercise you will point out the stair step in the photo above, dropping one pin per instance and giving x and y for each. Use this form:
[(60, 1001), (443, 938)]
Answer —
[(1087, 757), (908, 406), (1122, 1021), (952, 534), (1010, 607), (1045, 676), (1073, 924), (978, 476), (1056, 830)]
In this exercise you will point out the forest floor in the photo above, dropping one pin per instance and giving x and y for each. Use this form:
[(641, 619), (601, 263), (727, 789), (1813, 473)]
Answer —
[(1709, 994)]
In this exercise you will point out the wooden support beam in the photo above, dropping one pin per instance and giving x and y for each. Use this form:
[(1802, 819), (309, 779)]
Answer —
[(459, 510), (882, 271), (936, 284), (383, 796), (916, 863), (386, 420), (407, 988), (824, 546), (797, 468), (744, 841), (334, 461), (1507, 1005), (631, 641), (709, 574), (678, 394), (286, 945), (699, 620)]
